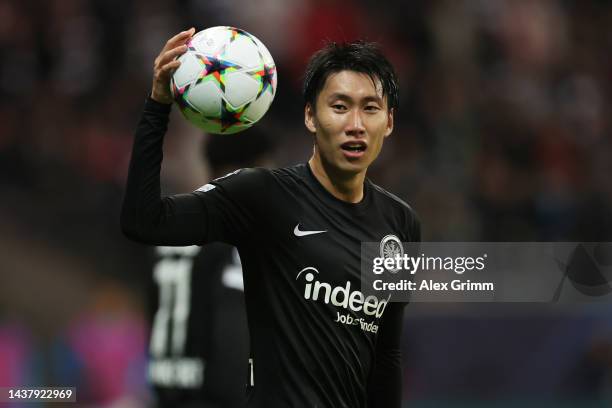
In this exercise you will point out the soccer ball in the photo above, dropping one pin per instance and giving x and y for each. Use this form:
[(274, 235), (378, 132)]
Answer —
[(226, 80)]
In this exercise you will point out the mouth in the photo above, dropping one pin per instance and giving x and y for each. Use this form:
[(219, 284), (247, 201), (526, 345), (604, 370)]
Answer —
[(354, 147)]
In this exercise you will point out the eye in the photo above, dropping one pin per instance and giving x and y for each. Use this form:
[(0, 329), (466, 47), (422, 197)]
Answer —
[(339, 107), (372, 108)]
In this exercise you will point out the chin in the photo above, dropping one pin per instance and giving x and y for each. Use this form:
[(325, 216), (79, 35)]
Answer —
[(353, 167), (344, 166)]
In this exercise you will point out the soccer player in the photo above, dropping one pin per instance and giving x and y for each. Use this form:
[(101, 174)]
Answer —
[(199, 338), (315, 339)]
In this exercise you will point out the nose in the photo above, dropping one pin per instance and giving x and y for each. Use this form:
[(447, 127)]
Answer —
[(355, 124)]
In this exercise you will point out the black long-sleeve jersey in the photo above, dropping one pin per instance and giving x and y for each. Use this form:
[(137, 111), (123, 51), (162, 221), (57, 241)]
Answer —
[(198, 344), (316, 340)]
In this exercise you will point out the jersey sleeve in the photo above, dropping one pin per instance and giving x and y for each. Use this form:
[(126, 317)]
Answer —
[(147, 217), (221, 213), (412, 226), (385, 385), (235, 204)]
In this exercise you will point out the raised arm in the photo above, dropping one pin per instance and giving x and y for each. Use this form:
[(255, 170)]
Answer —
[(146, 216)]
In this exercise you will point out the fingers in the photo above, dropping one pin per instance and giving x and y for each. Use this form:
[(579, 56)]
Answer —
[(166, 70), (166, 63), (169, 55), (180, 38)]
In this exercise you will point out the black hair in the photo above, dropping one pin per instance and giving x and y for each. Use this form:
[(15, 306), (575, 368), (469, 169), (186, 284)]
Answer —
[(242, 150), (359, 56)]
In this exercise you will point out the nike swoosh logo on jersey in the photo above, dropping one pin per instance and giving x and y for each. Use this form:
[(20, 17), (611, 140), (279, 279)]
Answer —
[(300, 233)]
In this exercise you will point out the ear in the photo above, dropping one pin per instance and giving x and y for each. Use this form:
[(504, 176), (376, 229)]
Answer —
[(309, 119), (389, 122)]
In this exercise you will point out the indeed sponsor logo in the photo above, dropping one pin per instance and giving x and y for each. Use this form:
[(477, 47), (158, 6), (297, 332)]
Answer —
[(340, 296), (353, 321)]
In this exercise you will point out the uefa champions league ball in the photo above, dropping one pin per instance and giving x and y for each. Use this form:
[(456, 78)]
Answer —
[(226, 80)]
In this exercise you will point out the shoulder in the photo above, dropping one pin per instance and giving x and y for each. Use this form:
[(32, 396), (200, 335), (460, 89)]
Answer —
[(256, 184), (295, 172), (262, 174), (240, 177), (264, 177), (400, 209), (250, 173), (290, 178), (390, 200)]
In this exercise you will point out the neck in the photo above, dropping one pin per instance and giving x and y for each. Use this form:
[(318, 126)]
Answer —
[(342, 185)]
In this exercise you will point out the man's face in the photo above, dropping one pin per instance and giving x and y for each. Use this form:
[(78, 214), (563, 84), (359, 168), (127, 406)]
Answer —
[(350, 121)]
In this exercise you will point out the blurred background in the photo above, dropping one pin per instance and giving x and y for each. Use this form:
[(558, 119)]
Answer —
[(503, 134)]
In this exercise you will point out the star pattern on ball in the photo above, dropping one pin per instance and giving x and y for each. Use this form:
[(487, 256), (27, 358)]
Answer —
[(228, 117), (237, 32), (227, 77), (267, 78), (215, 67), (234, 35), (180, 94)]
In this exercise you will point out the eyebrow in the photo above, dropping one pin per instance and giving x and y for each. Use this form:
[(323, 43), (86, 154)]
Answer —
[(345, 97)]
